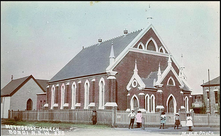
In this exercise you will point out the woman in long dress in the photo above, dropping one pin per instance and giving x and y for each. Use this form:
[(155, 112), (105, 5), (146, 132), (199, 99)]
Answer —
[(189, 121), (139, 119)]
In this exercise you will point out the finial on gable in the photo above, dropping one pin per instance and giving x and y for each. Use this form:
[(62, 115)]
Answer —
[(159, 72), (182, 65), (149, 17), (181, 69), (112, 57), (169, 60)]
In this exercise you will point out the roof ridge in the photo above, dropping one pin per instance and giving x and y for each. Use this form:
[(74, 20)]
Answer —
[(42, 79), (113, 38), (21, 78)]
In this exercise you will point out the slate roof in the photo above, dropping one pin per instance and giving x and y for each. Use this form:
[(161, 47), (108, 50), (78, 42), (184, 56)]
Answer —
[(150, 79), (16, 84), (94, 59), (215, 81), (186, 88), (153, 75)]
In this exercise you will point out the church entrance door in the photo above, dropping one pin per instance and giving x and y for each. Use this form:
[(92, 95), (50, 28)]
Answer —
[(134, 104), (171, 105)]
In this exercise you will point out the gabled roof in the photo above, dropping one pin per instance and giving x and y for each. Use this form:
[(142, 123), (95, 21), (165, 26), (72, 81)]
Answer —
[(94, 59), (215, 81), (13, 86)]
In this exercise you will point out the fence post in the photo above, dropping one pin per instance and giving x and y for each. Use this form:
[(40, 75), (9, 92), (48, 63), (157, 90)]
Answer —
[(21, 115), (8, 114), (12, 114), (208, 119), (37, 115), (112, 121), (113, 116)]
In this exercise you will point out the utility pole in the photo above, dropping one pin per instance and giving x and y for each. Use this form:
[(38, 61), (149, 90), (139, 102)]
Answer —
[(209, 92)]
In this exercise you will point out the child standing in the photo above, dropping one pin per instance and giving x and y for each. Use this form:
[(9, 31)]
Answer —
[(189, 122), (177, 120), (162, 119), (132, 117)]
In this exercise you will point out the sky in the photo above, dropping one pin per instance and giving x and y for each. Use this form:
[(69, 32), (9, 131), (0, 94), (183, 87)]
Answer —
[(40, 38)]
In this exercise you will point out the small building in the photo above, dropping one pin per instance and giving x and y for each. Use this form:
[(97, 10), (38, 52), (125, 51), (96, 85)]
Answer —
[(132, 71), (197, 103), (21, 94), (211, 95)]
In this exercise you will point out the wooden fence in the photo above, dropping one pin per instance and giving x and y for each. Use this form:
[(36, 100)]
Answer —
[(109, 117), (74, 116)]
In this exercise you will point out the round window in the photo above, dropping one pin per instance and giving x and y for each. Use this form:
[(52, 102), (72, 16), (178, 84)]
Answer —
[(134, 83)]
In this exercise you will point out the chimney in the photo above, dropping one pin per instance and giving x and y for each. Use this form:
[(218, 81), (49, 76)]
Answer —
[(99, 40), (11, 77), (125, 32)]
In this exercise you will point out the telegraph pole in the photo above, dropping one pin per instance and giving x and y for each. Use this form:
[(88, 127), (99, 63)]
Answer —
[(209, 92)]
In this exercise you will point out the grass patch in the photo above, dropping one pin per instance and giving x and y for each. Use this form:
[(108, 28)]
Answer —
[(60, 125)]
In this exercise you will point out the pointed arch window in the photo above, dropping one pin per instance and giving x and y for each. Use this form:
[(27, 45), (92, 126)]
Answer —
[(186, 104), (86, 94), (147, 103), (29, 104), (161, 49), (151, 45), (101, 93), (216, 96), (140, 46), (52, 96), (152, 103), (170, 82), (73, 95), (62, 96)]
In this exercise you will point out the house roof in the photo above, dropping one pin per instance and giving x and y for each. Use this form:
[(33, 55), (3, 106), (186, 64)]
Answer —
[(215, 81), (94, 59), (16, 84)]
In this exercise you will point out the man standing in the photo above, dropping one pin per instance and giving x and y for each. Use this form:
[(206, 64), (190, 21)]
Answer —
[(132, 117)]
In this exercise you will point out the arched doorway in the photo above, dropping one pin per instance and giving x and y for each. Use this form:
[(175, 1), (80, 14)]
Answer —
[(29, 104), (171, 104), (134, 103)]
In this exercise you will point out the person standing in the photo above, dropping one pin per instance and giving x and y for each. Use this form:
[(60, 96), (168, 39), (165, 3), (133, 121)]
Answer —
[(94, 117), (139, 119), (189, 121), (162, 120), (177, 121), (132, 117)]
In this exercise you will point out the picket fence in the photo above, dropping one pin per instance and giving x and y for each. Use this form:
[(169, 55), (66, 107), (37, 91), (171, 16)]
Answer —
[(109, 117)]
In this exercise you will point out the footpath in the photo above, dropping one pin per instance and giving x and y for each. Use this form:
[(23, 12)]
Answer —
[(152, 131)]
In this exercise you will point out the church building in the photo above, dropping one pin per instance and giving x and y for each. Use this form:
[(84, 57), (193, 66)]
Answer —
[(132, 71)]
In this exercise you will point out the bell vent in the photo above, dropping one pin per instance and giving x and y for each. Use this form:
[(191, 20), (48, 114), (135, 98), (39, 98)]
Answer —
[(125, 32)]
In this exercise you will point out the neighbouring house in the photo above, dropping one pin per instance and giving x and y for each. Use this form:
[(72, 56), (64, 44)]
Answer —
[(211, 95), (197, 103), (132, 71), (21, 94)]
